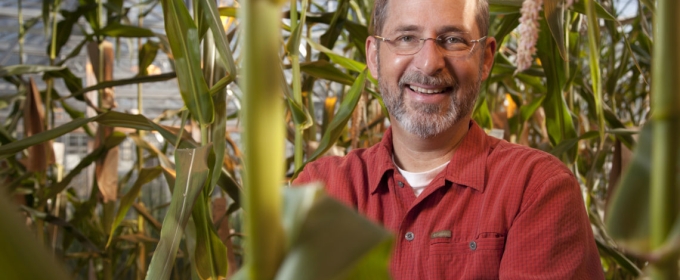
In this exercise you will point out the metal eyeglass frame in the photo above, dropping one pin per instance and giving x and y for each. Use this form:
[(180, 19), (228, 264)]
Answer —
[(422, 43)]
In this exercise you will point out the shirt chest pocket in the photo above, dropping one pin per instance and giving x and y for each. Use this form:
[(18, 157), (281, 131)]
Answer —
[(451, 258)]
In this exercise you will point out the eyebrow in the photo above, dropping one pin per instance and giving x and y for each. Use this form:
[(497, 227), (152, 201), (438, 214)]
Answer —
[(452, 28), (403, 28), (444, 29)]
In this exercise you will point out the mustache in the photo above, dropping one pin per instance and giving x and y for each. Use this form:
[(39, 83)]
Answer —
[(439, 80)]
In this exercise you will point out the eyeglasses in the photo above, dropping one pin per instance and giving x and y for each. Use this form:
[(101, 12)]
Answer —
[(451, 45)]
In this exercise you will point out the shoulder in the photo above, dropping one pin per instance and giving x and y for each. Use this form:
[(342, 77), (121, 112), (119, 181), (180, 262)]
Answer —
[(530, 174), (333, 169), (525, 161), (345, 178)]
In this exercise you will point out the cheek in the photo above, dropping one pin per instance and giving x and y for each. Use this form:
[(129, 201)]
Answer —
[(392, 67)]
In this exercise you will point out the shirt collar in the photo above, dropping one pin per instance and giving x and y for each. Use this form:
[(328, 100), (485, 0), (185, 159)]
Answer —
[(467, 167), (383, 163)]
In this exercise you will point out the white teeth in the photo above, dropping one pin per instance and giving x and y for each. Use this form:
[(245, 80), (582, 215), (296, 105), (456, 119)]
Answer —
[(426, 91)]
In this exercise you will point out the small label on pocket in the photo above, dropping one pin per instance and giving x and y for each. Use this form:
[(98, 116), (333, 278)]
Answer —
[(441, 234)]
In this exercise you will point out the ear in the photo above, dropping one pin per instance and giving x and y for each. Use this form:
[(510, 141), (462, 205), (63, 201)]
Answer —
[(372, 55), (489, 55)]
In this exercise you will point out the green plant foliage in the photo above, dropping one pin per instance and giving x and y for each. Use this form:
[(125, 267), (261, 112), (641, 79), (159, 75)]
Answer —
[(338, 123), (23, 69), (145, 176), (337, 240), (323, 69), (192, 174), (210, 257), (185, 50), (11, 148), (127, 31)]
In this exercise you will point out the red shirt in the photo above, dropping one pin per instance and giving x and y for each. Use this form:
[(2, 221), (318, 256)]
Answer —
[(498, 210)]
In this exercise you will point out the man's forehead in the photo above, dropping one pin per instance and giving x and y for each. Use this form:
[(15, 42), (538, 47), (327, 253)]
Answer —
[(437, 15)]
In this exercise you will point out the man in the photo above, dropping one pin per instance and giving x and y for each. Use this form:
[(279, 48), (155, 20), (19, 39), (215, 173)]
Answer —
[(463, 205)]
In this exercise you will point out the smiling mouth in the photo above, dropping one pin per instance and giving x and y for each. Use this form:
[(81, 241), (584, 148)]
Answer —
[(428, 90)]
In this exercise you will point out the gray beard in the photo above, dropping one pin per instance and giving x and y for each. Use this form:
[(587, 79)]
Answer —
[(429, 120)]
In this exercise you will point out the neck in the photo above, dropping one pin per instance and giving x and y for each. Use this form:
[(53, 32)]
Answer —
[(415, 154)]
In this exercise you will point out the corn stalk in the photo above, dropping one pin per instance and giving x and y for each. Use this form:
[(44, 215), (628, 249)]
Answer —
[(262, 115), (666, 117)]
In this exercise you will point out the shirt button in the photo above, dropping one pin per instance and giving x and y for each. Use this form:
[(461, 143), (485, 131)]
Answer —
[(409, 236), (473, 245), (401, 184)]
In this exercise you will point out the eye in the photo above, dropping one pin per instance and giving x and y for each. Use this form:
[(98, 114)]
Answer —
[(453, 40), (405, 39)]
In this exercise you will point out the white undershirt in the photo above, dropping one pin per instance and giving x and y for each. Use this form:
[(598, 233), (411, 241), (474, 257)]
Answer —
[(420, 180)]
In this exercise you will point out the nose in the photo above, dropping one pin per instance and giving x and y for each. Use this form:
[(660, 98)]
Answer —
[(429, 60)]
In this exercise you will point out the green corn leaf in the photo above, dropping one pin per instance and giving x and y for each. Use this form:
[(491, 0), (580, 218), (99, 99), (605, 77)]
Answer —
[(125, 31), (323, 69), (73, 83), (221, 84), (594, 58), (229, 185), (301, 116), (122, 82), (192, 174), (212, 17), (75, 51), (210, 256), (580, 7), (527, 111), (145, 176), (569, 144), (357, 34), (619, 257), (504, 7), (12, 148), (482, 115), (500, 9), (558, 118), (46, 14), (65, 26), (118, 119), (614, 123), (330, 240), (336, 25), (219, 131), (293, 44), (554, 15), (185, 50), (339, 122), (507, 25), (22, 69), (347, 63)]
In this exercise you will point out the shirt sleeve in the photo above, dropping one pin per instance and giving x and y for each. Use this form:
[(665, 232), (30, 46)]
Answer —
[(551, 237)]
